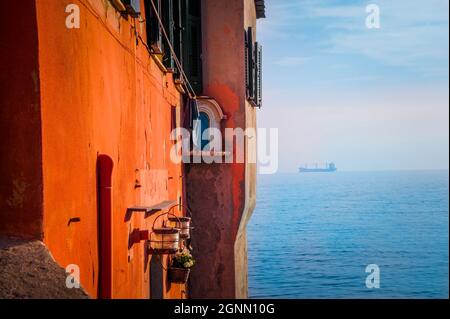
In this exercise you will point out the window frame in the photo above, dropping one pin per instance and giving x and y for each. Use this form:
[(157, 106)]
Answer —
[(153, 29)]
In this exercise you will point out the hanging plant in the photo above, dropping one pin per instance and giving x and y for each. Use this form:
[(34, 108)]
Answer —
[(180, 267), (183, 259)]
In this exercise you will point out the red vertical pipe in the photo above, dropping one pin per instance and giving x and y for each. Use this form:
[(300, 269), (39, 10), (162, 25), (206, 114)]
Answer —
[(104, 191)]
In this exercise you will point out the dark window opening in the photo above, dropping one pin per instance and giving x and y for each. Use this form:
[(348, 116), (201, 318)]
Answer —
[(154, 32), (194, 54), (178, 29), (168, 22), (204, 125), (173, 121), (182, 22), (194, 8), (133, 7), (192, 39)]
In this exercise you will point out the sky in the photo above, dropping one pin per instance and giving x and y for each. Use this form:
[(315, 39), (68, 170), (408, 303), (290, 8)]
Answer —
[(366, 99)]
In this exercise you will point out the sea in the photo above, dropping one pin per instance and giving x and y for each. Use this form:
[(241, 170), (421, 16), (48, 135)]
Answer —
[(350, 235)]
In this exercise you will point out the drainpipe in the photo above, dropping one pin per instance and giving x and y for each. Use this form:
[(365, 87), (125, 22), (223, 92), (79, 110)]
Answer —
[(105, 227)]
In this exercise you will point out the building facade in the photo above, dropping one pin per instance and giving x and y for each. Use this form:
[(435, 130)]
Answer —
[(93, 90), (223, 195)]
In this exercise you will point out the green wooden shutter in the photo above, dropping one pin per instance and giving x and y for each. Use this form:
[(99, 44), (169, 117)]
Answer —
[(167, 14), (247, 80), (250, 72), (258, 74)]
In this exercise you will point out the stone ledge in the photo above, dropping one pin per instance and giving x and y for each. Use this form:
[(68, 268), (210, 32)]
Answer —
[(28, 271)]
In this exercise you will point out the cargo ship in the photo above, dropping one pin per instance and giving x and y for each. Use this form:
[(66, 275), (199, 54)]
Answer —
[(328, 168)]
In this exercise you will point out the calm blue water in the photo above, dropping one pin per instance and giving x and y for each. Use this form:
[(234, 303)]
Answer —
[(312, 235)]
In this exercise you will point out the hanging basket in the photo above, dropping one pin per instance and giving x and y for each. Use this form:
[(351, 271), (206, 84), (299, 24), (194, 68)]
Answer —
[(183, 224), (178, 275), (164, 240)]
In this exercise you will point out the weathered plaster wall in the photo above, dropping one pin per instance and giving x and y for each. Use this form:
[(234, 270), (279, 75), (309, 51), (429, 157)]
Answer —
[(222, 195), (212, 277), (241, 260), (101, 93), (20, 123)]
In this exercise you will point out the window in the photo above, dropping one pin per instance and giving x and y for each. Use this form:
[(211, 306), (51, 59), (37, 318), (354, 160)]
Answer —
[(155, 36), (210, 117), (253, 69), (168, 22), (182, 22), (249, 65), (174, 118), (154, 32), (133, 7), (192, 42), (204, 125), (178, 28), (258, 74)]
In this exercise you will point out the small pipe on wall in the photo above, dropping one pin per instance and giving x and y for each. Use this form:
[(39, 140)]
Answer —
[(105, 227)]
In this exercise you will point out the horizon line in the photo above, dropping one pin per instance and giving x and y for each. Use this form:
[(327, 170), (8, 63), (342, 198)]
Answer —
[(371, 170)]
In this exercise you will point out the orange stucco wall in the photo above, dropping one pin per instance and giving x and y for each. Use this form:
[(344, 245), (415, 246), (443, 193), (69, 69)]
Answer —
[(101, 93), (77, 95)]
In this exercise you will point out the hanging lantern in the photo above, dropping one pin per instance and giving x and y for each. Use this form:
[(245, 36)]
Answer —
[(164, 240), (183, 224)]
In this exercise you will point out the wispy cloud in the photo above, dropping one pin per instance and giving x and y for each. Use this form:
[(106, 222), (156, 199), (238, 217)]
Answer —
[(413, 34)]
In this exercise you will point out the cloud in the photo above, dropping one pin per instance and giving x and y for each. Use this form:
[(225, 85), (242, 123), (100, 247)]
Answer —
[(394, 47), (413, 35)]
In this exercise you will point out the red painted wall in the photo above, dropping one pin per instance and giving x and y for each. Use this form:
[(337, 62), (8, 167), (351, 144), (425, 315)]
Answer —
[(20, 123), (218, 193)]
